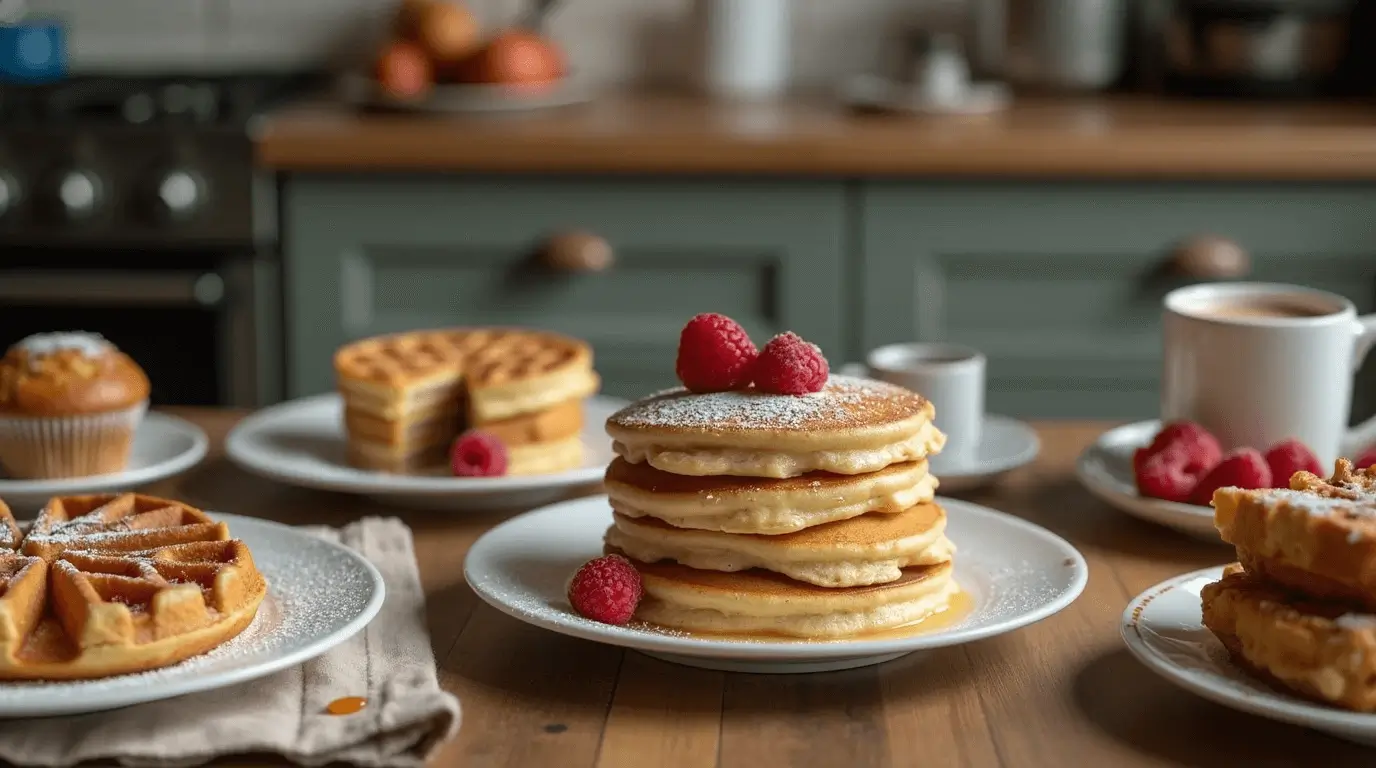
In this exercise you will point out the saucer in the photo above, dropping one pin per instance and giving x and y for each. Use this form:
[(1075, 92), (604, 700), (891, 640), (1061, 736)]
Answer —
[(163, 446), (1105, 468), (1015, 573), (1004, 445), (302, 443), (1163, 627)]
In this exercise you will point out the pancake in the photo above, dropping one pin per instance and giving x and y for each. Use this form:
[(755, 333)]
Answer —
[(762, 602), (870, 549), (767, 506), (851, 427), (1321, 650)]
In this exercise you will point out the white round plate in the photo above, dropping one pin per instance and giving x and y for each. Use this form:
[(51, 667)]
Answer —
[(163, 446), (1105, 468), (466, 98), (1015, 573), (1005, 444), (1163, 627), (319, 595), (301, 442)]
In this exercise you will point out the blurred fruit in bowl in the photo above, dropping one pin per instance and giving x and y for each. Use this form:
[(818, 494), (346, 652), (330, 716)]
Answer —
[(447, 31), (403, 71), (515, 57)]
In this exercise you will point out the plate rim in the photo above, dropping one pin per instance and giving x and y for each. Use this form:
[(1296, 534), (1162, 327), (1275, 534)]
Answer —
[(391, 485), (96, 701), (789, 651), (1274, 705), (200, 446)]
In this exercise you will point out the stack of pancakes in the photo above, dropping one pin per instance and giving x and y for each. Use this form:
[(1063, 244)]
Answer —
[(407, 396), (1298, 609), (764, 514)]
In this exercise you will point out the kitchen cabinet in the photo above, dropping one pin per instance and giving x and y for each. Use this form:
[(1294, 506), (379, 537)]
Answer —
[(378, 253), (1061, 284)]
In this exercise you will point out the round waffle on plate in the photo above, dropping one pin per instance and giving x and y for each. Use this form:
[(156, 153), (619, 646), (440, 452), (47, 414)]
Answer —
[(111, 584)]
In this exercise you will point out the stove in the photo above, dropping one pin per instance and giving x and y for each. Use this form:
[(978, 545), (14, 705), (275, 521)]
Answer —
[(145, 162), (130, 207)]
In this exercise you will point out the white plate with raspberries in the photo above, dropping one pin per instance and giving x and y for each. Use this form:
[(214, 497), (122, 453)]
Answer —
[(1167, 475), (1014, 572), (302, 443)]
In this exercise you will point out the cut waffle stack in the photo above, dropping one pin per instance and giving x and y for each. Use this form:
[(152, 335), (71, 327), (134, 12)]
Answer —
[(797, 516), (407, 396), (1298, 609), (107, 585)]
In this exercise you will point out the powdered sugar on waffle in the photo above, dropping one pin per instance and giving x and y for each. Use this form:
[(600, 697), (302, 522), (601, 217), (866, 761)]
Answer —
[(844, 402)]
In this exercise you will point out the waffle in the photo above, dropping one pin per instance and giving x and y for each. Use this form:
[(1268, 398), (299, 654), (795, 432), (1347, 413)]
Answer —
[(1317, 537), (1320, 650), (852, 427), (407, 396), (114, 584)]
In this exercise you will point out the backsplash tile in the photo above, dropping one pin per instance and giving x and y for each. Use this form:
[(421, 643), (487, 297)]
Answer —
[(608, 41)]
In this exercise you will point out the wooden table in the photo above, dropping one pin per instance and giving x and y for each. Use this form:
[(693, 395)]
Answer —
[(1061, 693)]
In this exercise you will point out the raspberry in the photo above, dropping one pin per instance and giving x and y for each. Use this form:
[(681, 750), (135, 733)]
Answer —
[(606, 589), (1367, 459), (1243, 468), (477, 454), (1201, 448), (1288, 457), (1164, 476), (714, 354), (788, 365)]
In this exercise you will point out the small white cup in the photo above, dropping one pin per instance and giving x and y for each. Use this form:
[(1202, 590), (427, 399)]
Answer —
[(1258, 363), (949, 375)]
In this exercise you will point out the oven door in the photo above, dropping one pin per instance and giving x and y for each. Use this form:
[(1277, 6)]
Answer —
[(190, 326)]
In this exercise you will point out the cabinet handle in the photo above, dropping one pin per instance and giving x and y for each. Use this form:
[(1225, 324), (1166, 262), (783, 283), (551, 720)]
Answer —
[(577, 252), (1209, 257)]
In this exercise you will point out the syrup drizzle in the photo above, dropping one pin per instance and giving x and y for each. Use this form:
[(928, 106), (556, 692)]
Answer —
[(347, 706)]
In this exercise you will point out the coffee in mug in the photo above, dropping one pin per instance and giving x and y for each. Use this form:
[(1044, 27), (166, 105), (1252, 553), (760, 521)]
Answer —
[(952, 377), (1258, 363)]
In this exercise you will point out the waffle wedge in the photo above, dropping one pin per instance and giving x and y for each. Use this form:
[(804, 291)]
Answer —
[(406, 396), (1317, 537), (114, 584)]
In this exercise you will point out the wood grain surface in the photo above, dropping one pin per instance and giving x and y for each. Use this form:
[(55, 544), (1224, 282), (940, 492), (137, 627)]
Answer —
[(1063, 692), (678, 134)]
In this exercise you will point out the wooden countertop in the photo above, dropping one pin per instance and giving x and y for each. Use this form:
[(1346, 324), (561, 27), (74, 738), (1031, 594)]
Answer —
[(668, 134), (1061, 692)]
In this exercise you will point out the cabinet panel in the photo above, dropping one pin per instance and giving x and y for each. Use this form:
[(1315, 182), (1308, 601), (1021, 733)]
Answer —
[(1061, 284), (378, 255)]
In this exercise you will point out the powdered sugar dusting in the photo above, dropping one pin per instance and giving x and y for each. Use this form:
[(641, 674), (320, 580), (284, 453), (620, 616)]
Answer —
[(844, 402), (1355, 621), (44, 344), (315, 590)]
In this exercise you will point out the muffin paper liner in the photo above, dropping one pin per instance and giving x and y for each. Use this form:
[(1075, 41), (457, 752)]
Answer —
[(47, 447)]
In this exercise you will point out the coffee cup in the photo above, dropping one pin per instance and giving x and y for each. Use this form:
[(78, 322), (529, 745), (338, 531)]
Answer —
[(1258, 363), (949, 375)]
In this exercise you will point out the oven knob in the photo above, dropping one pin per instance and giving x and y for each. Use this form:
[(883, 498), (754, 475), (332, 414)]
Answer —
[(180, 194), (80, 193)]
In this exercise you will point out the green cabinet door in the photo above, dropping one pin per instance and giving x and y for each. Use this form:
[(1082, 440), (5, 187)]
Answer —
[(1061, 284), (382, 254)]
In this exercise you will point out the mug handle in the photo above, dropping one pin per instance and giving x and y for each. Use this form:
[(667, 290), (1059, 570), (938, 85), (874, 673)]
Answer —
[(1361, 436), (861, 371)]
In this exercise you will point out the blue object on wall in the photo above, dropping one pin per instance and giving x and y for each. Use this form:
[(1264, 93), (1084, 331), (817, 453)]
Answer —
[(33, 52)]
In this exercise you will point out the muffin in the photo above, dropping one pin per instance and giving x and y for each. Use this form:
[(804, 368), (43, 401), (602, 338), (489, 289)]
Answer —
[(69, 405)]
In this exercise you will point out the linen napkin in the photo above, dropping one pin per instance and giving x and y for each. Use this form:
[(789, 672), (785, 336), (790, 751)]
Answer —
[(389, 663)]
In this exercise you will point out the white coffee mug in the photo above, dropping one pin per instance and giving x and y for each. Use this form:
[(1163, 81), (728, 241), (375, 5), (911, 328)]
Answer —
[(1258, 363), (949, 375)]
